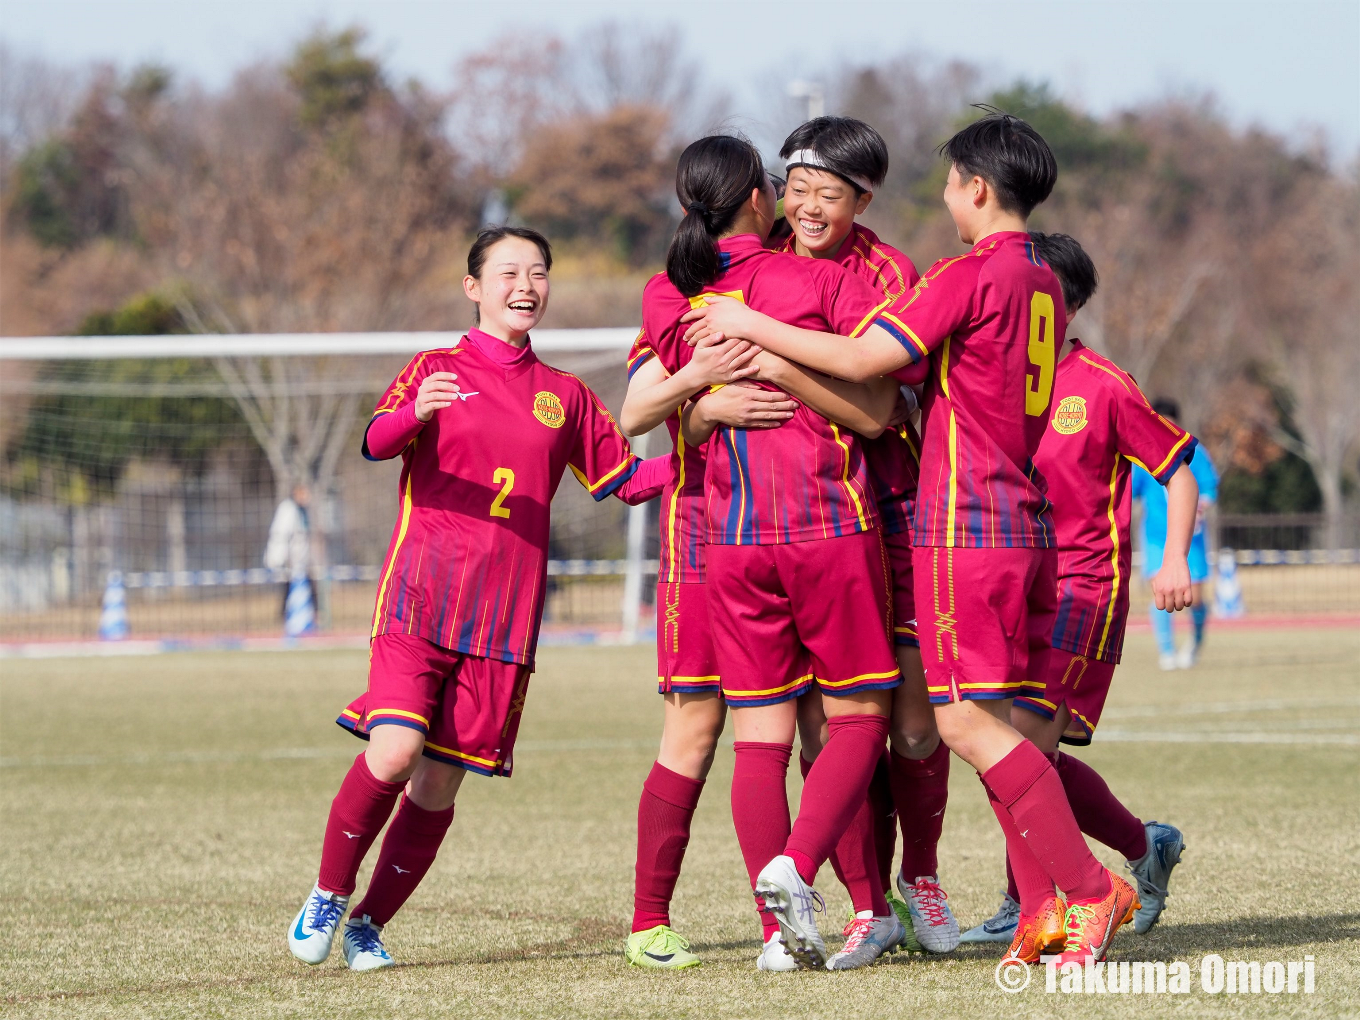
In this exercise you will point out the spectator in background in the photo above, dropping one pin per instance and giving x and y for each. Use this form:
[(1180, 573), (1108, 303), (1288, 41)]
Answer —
[(290, 541), (1153, 497)]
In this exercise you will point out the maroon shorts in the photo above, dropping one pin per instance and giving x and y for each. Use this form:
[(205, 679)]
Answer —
[(467, 707), (684, 644), (1078, 683), (786, 615), (985, 620), (904, 597)]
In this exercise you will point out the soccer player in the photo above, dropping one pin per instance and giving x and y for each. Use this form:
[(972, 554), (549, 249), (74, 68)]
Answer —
[(789, 519), (1153, 498), (485, 431), (834, 165), (1101, 426), (982, 328)]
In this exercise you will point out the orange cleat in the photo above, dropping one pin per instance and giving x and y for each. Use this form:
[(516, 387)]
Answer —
[(1090, 925), (1038, 933)]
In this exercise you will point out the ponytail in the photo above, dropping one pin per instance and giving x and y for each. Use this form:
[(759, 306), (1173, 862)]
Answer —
[(713, 180)]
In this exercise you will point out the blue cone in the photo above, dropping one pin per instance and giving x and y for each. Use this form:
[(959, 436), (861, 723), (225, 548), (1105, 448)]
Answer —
[(113, 617), (299, 612)]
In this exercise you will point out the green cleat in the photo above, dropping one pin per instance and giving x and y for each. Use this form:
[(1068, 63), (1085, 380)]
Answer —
[(660, 948), (903, 912)]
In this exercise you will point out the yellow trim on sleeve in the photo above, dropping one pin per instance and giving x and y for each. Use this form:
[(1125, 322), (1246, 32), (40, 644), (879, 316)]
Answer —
[(867, 321), (1171, 456)]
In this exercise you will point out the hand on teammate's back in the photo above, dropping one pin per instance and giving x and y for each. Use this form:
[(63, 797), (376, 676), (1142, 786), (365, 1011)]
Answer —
[(719, 318), (719, 361), (747, 406), (438, 390)]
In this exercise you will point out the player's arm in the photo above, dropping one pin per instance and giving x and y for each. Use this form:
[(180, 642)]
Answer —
[(867, 408), (653, 394), (1171, 584), (646, 482), (741, 405), (398, 418)]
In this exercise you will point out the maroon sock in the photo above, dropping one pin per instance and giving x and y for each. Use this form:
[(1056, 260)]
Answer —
[(358, 813), (664, 813), (1098, 811), (408, 850), (854, 858), (1028, 883), (885, 820), (1027, 785), (835, 790), (921, 790), (760, 809)]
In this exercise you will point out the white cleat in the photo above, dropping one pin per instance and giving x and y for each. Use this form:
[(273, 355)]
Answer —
[(313, 929), (775, 957), (363, 945), (1152, 872), (1187, 656), (866, 939), (1000, 927), (1168, 661), (794, 904), (931, 919)]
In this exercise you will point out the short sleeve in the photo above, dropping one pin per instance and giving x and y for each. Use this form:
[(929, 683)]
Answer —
[(848, 303), (931, 311), (1154, 443), (402, 390), (601, 458), (640, 351)]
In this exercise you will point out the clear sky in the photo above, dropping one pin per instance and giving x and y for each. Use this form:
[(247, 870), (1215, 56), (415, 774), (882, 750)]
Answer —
[(1292, 66)]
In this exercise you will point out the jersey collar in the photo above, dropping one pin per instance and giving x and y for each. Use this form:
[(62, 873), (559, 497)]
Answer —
[(499, 352)]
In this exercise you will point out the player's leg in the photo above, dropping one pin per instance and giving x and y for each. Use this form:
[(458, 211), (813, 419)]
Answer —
[(393, 716), (1199, 609)]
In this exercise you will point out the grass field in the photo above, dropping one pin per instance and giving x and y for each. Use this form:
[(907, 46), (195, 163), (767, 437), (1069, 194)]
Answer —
[(162, 819)]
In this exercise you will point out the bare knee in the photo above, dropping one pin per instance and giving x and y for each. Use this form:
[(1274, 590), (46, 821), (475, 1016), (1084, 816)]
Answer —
[(689, 738), (434, 785), (915, 742), (393, 752)]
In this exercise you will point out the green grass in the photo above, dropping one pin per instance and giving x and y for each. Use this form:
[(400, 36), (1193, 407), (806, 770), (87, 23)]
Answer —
[(162, 819)]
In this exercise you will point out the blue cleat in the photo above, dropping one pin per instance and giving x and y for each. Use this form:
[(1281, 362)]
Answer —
[(1152, 872), (1000, 927)]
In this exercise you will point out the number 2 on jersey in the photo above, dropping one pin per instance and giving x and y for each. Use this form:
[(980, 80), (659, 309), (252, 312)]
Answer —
[(507, 479), (1042, 354)]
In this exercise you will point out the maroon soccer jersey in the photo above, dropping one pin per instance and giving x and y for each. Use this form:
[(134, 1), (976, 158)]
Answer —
[(990, 322), (1100, 423), (806, 479), (894, 458), (468, 560)]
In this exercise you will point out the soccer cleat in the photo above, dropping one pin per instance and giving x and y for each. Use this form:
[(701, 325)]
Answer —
[(313, 929), (1187, 656), (1036, 935), (932, 921), (903, 913), (1152, 872), (1168, 661), (1090, 925), (659, 948), (866, 939), (775, 957), (363, 945), (794, 905), (1000, 927)]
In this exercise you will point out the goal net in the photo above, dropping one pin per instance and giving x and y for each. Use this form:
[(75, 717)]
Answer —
[(141, 477)]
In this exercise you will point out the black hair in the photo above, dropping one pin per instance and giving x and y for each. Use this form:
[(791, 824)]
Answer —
[(714, 179), (487, 238), (850, 148), (1070, 264), (1167, 408), (1009, 155)]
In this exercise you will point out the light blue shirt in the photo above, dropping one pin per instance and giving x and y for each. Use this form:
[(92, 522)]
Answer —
[(1153, 496)]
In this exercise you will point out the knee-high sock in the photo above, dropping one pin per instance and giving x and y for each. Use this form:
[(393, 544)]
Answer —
[(358, 813), (664, 814), (760, 809), (883, 806), (921, 790), (1031, 884), (1162, 631), (835, 790), (1028, 786), (1199, 613), (408, 850), (855, 856), (1097, 810)]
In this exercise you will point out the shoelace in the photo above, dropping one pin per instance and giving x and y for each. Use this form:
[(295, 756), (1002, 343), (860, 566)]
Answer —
[(325, 913), (1074, 924), (669, 941), (365, 938), (930, 899), (859, 929)]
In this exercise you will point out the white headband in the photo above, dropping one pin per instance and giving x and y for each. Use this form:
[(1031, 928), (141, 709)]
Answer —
[(809, 157)]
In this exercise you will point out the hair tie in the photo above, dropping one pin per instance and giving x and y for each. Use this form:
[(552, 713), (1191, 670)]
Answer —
[(699, 208)]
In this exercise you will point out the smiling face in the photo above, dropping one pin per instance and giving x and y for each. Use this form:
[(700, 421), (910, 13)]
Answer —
[(512, 292), (821, 208)]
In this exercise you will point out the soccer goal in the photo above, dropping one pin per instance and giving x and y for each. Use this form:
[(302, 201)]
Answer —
[(210, 489)]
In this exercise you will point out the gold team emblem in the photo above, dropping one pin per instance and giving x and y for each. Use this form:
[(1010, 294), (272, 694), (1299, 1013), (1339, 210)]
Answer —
[(548, 409), (1070, 417)]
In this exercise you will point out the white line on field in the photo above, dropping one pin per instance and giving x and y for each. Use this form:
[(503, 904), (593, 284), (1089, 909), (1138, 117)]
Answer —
[(1210, 737), (1224, 707)]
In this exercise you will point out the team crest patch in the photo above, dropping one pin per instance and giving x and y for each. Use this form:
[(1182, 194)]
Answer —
[(1070, 417), (548, 409)]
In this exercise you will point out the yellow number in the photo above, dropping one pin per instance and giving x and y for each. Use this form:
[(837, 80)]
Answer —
[(507, 479), (1042, 352)]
